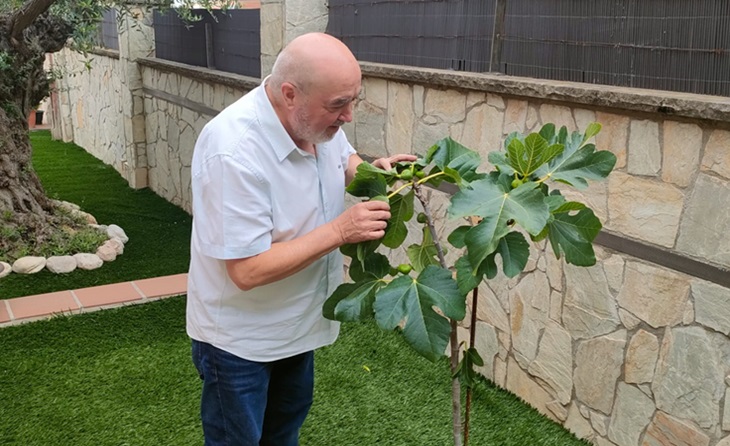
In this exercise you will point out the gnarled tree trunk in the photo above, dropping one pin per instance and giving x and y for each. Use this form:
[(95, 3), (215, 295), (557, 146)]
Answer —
[(26, 35)]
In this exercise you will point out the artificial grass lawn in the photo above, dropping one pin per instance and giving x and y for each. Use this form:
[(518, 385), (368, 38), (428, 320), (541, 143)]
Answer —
[(159, 232), (124, 377)]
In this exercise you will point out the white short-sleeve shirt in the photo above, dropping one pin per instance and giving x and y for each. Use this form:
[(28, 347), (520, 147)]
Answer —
[(253, 187)]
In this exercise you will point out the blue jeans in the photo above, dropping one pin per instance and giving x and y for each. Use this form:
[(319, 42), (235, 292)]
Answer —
[(247, 403)]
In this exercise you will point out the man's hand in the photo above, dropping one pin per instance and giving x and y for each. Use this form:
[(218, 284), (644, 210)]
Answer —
[(387, 163), (363, 222)]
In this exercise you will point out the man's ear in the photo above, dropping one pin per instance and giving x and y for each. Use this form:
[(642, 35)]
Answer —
[(289, 93)]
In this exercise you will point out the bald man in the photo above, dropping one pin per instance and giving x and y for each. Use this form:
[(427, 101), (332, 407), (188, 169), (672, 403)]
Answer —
[(268, 179)]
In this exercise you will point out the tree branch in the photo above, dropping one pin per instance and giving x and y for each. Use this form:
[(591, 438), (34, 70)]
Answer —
[(25, 16)]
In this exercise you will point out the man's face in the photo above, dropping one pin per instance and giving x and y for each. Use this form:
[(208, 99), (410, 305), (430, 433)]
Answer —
[(321, 113)]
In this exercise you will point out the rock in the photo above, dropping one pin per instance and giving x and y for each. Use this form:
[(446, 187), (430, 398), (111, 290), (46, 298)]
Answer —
[(117, 244), (66, 206), (643, 283), (712, 306), (667, 430), (115, 231), (558, 410), (598, 367), (724, 442), (631, 415), (641, 358), (589, 308), (5, 269), (29, 265), (61, 264), (107, 253), (688, 381), (554, 361), (577, 424), (88, 218), (87, 261)]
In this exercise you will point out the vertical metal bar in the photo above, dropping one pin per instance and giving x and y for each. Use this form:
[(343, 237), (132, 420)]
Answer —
[(209, 55), (500, 8)]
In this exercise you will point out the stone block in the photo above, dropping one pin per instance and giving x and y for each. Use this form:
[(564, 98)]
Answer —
[(589, 308), (398, 99), (706, 221), (667, 430), (614, 136), (682, 144), (644, 209), (515, 116), (597, 368), (717, 153), (520, 383), (655, 295), (554, 361), (631, 414), (559, 115), (584, 117), (487, 346), (446, 105), (529, 306), (641, 357), (645, 153), (712, 306), (688, 381)]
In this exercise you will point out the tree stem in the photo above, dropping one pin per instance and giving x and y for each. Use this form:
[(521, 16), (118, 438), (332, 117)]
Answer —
[(472, 342), (455, 385)]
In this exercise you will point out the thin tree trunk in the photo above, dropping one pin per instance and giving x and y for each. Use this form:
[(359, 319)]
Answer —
[(454, 340)]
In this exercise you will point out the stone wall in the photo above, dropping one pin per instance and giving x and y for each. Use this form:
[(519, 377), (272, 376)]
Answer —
[(632, 351)]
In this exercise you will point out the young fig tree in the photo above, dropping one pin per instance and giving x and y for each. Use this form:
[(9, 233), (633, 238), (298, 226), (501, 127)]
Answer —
[(519, 199)]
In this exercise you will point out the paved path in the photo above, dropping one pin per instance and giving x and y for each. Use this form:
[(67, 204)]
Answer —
[(42, 306)]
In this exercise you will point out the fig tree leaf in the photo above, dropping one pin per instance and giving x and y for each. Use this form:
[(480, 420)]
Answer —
[(573, 235), (525, 205), (367, 183), (456, 238), (515, 252), (352, 301), (465, 370), (424, 254), (591, 131), (455, 160), (375, 266), (401, 211), (412, 300)]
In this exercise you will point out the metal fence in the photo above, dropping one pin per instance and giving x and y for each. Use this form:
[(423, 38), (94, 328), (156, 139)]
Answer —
[(669, 44), (226, 40)]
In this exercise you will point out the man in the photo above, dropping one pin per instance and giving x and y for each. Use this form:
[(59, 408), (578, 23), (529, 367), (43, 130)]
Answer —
[(268, 178)]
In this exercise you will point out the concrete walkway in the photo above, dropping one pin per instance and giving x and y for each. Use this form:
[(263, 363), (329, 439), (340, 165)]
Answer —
[(42, 306)]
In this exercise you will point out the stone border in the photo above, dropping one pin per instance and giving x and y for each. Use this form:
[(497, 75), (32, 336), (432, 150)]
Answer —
[(201, 73), (668, 103), (106, 52)]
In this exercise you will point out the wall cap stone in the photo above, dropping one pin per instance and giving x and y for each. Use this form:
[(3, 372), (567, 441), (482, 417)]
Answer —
[(667, 103), (201, 73), (106, 52)]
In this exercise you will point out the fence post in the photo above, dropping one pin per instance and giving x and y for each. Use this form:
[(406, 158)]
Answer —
[(209, 54), (500, 8)]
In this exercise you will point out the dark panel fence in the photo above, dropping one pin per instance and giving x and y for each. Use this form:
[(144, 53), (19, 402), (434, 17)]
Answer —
[(668, 45), (108, 30), (226, 40)]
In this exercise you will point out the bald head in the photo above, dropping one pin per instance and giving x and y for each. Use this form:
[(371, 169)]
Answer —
[(313, 61)]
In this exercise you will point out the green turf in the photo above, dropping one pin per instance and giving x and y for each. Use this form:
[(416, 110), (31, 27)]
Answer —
[(159, 232), (124, 377)]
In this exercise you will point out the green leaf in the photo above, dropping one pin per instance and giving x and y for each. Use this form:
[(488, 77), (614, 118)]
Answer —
[(525, 205), (401, 211), (515, 252), (367, 183), (375, 266), (524, 157), (500, 161), (424, 254), (455, 160), (466, 278), (367, 169), (591, 131), (412, 300), (465, 371), (574, 235), (548, 132), (352, 301), (456, 238)]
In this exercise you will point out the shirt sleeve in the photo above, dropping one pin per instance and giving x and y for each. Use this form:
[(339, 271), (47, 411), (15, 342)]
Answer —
[(232, 215)]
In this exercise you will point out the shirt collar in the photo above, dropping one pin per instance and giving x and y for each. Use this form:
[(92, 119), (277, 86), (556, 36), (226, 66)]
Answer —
[(273, 129)]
